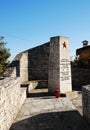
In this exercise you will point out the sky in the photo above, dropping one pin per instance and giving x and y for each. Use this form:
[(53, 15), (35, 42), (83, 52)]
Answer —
[(29, 23)]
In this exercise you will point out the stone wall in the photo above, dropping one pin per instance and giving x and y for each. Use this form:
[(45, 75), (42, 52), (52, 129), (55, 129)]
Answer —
[(31, 64), (86, 102), (80, 77), (38, 59), (11, 100), (18, 67), (37, 62)]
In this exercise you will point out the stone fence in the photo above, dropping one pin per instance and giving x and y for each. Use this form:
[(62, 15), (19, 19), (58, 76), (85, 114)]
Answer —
[(80, 77), (86, 102), (12, 97)]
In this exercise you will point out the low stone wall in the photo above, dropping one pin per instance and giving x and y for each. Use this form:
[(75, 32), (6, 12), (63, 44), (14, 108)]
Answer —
[(10, 72), (86, 102), (11, 100)]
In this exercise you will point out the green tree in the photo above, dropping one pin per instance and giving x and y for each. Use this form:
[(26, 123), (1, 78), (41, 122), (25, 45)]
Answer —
[(4, 55)]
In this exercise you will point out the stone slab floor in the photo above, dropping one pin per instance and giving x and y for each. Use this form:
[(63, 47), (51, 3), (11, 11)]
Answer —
[(49, 113)]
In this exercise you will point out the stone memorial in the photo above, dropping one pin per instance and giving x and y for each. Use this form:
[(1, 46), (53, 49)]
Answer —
[(59, 65)]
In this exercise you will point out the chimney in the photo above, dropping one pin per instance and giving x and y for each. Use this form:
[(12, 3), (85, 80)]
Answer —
[(85, 43)]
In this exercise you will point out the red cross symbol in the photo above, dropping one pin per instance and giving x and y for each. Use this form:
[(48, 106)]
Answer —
[(64, 45)]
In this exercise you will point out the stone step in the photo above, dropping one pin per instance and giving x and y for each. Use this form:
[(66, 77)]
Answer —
[(35, 84), (42, 84)]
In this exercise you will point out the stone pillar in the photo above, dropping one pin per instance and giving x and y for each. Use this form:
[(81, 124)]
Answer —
[(24, 67), (59, 65)]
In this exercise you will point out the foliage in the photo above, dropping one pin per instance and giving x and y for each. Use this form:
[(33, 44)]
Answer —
[(75, 62), (80, 62), (4, 55)]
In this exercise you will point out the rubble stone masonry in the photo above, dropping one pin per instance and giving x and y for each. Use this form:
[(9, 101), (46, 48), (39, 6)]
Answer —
[(11, 100), (86, 102)]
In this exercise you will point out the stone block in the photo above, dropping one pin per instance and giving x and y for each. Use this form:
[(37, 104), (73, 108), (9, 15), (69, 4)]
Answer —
[(86, 102), (72, 94)]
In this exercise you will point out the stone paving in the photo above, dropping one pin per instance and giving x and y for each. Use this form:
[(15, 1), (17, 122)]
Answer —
[(77, 102), (49, 113)]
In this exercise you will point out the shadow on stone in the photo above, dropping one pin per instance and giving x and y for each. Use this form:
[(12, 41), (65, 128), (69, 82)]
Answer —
[(40, 94), (68, 120), (43, 94), (77, 88), (62, 95)]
